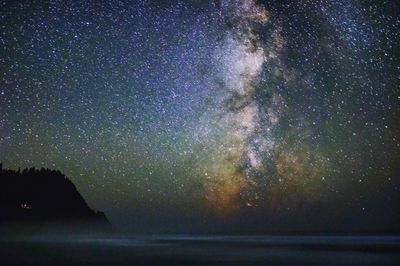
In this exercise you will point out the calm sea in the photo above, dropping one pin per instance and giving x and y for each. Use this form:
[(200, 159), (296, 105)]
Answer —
[(201, 250)]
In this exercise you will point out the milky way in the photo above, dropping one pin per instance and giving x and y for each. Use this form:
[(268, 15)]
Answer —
[(207, 110)]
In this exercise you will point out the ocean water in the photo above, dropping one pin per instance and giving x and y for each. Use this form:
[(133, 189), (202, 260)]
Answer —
[(200, 250)]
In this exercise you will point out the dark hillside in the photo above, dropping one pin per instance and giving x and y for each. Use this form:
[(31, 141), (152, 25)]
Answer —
[(42, 196)]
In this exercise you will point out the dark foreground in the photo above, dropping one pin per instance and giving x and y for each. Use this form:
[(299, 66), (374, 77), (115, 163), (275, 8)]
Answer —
[(201, 250)]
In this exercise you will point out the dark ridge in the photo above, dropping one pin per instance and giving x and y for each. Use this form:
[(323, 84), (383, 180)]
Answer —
[(44, 197)]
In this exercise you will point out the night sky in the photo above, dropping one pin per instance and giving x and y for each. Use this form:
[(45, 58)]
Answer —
[(201, 115)]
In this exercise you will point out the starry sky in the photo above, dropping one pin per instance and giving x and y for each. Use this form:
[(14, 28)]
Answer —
[(186, 115)]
